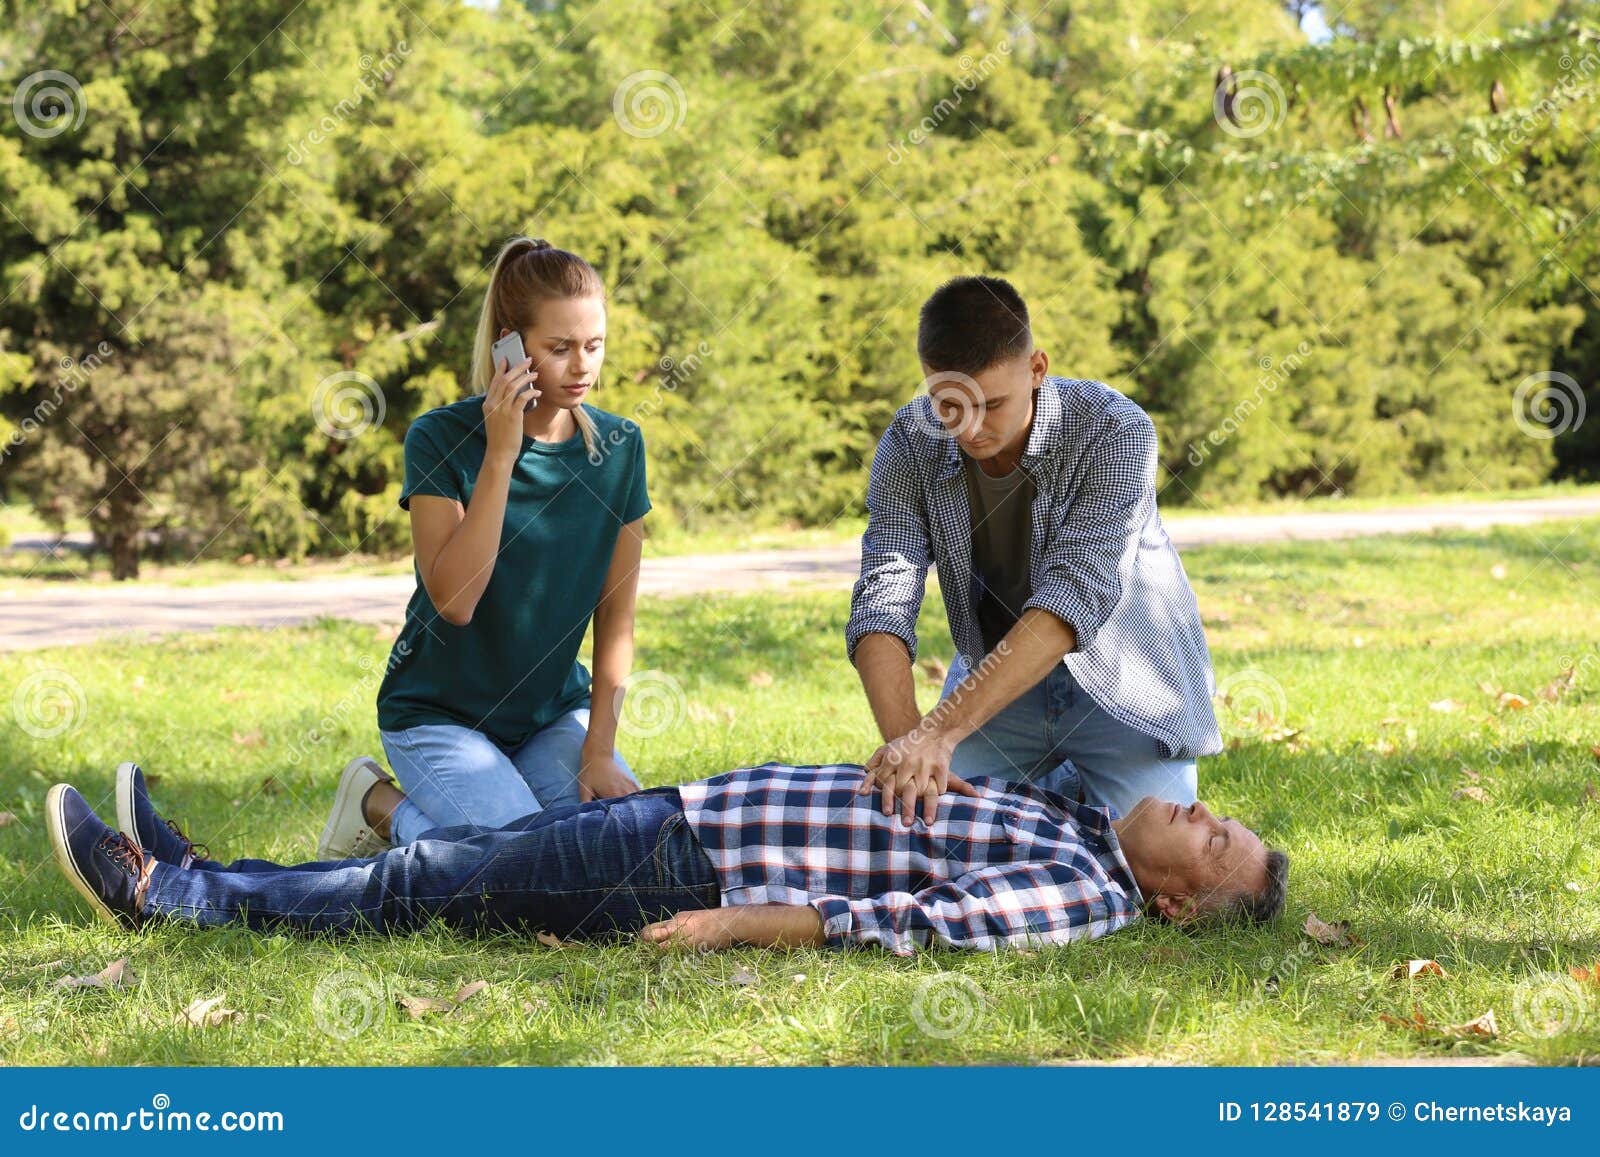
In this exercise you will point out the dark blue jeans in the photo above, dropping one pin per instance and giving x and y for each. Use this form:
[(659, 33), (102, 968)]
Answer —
[(580, 871)]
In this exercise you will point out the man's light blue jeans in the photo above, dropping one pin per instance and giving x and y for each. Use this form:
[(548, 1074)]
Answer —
[(1057, 737), (454, 776)]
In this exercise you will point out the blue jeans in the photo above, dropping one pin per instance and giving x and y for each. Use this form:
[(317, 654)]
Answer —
[(1057, 737), (582, 871), (456, 777)]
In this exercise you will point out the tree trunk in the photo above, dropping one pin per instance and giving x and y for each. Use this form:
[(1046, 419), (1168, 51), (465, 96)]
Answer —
[(122, 532)]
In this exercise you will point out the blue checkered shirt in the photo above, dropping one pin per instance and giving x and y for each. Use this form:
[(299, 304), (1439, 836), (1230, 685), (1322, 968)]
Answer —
[(1101, 559), (1016, 865)]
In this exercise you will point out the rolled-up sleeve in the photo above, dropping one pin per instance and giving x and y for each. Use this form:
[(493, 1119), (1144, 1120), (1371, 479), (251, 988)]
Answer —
[(895, 550), (1089, 558), (1005, 904)]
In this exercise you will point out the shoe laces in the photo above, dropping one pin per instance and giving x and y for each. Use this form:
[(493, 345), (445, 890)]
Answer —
[(123, 852), (195, 851)]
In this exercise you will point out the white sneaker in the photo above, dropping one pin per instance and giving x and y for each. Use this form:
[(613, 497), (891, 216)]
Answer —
[(347, 835)]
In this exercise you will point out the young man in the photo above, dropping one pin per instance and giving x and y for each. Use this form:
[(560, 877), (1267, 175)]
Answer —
[(1081, 664), (771, 855)]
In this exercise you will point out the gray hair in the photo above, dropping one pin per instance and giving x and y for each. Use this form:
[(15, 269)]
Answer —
[(1260, 907)]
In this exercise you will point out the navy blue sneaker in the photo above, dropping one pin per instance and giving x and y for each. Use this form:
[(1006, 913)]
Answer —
[(108, 869), (137, 816)]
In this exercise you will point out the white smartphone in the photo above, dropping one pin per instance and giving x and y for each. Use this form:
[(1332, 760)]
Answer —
[(508, 351)]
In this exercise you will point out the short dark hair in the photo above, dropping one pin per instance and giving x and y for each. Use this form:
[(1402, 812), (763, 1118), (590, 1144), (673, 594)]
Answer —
[(970, 323)]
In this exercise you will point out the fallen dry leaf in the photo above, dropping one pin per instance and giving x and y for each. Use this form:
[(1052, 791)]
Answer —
[(468, 991), (1470, 774), (1335, 935), (1489, 689), (1472, 792), (1443, 705), (252, 740), (1589, 975), (550, 941), (760, 679), (743, 976), (1481, 1026), (229, 695), (1511, 701), (1415, 1022), (1595, 751), (417, 1007), (1591, 794), (934, 669), (117, 974), (1411, 969), (1552, 691), (206, 1014), (7, 819)]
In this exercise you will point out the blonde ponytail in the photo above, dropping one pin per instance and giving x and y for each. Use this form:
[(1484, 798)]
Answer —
[(528, 272)]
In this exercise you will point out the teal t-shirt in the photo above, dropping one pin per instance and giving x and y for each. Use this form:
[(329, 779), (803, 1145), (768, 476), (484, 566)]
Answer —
[(514, 668)]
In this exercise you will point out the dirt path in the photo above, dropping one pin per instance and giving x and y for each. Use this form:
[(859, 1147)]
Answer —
[(68, 613)]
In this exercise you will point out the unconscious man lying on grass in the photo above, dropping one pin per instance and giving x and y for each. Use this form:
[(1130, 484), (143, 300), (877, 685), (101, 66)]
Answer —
[(772, 856)]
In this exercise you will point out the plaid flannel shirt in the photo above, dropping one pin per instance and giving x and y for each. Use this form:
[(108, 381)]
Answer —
[(1101, 559), (1016, 865)]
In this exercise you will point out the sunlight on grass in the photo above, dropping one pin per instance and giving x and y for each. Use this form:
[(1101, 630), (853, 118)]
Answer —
[(1354, 714)]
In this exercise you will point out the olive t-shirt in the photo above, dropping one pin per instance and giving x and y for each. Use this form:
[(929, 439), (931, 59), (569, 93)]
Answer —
[(514, 668), (1002, 550)]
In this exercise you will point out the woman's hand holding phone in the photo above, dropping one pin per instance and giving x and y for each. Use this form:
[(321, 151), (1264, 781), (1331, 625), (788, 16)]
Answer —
[(511, 392)]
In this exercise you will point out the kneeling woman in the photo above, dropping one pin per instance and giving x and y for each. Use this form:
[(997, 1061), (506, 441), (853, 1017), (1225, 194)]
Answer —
[(526, 514)]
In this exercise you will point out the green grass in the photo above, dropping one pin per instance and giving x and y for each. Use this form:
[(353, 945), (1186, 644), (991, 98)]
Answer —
[(1347, 642)]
